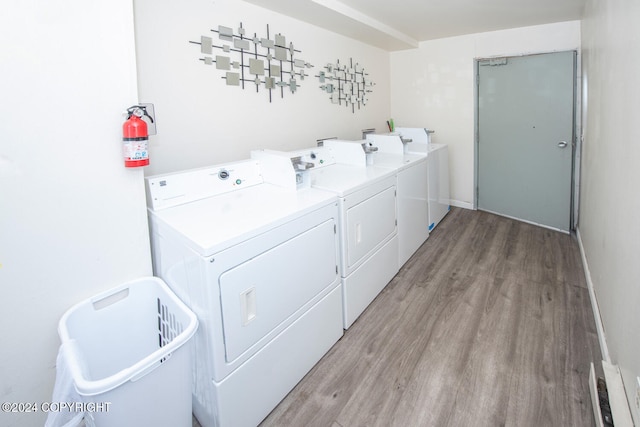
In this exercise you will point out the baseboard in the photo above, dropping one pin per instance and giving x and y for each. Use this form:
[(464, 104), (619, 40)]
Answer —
[(594, 302), (460, 204)]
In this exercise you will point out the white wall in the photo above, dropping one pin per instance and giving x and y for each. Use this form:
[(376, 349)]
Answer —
[(72, 219), (609, 226), (433, 87), (202, 121)]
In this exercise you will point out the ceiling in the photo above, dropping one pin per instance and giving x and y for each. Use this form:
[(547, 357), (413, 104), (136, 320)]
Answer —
[(402, 24)]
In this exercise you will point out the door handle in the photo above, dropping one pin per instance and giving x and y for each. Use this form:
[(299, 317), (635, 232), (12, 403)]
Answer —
[(562, 144)]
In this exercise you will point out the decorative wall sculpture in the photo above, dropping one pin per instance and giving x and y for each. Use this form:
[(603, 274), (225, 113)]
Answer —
[(263, 62), (346, 84)]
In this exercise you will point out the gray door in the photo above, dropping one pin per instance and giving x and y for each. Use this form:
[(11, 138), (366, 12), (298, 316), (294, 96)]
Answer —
[(525, 133)]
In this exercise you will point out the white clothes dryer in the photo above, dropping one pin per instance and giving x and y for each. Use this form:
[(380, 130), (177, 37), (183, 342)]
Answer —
[(413, 190), (368, 218), (258, 263)]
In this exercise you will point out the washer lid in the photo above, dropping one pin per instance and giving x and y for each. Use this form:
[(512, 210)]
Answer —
[(215, 223), (345, 179)]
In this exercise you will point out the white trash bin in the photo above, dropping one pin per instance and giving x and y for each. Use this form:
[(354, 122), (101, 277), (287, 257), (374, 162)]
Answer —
[(125, 350)]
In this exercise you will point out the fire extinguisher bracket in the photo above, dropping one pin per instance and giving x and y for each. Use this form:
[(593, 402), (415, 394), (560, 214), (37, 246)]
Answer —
[(149, 118)]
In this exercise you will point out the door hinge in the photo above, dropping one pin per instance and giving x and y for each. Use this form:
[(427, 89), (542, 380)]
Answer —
[(336, 269), (334, 229)]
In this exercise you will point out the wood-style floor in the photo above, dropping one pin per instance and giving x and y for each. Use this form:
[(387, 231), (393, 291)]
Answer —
[(488, 324)]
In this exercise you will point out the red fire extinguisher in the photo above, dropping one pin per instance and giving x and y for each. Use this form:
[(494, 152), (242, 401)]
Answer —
[(135, 137)]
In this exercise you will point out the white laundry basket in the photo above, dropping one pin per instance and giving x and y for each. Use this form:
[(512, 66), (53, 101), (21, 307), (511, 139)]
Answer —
[(127, 355)]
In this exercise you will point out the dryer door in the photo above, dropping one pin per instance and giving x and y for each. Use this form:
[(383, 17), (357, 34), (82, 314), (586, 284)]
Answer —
[(264, 294)]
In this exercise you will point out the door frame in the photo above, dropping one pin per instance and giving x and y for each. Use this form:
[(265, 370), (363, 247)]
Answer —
[(576, 145)]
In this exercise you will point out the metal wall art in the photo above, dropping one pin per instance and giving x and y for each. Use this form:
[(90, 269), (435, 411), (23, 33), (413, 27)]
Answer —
[(262, 62), (346, 84)]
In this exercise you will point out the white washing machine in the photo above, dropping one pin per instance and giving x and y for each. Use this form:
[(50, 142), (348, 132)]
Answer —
[(438, 164), (413, 191), (368, 218), (258, 263)]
